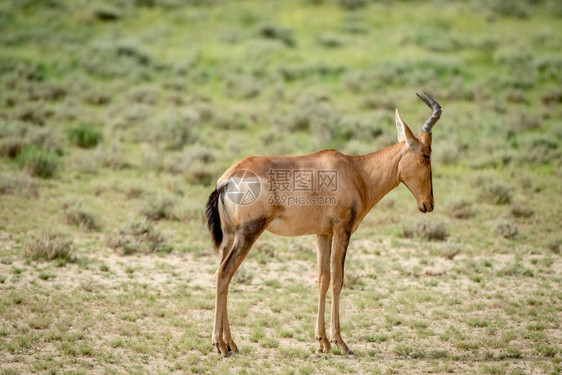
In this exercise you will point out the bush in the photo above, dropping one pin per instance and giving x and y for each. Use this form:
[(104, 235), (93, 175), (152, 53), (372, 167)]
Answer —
[(495, 192), (315, 111), (84, 137), (46, 138), (96, 96), (11, 147), (135, 53), (39, 163), (352, 4), (202, 174), (450, 152), (111, 156), (162, 207), (429, 230), (521, 211), (107, 13), (281, 33), (138, 237), (507, 8), (506, 229), (196, 164), (461, 209), (32, 113), (144, 94), (177, 133), (15, 136), (330, 41), (77, 214), (362, 129), (539, 148), (18, 185), (49, 246), (243, 86)]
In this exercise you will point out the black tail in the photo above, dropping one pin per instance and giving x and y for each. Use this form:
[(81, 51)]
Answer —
[(213, 216)]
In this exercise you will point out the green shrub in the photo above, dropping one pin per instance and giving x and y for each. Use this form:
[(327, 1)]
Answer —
[(144, 94), (330, 41), (32, 113), (135, 53), (161, 207), (15, 136), (242, 86), (84, 137), (177, 134), (507, 8), (111, 156), (11, 147), (201, 173), (365, 129), (139, 236), (281, 33), (507, 229), (316, 112), (49, 246), (107, 13), (18, 185), (429, 230), (39, 163), (461, 209), (539, 148), (521, 211), (46, 138), (495, 192), (352, 4), (196, 164), (450, 152), (77, 214)]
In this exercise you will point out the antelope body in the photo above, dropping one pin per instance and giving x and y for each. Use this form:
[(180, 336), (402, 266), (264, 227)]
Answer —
[(360, 182)]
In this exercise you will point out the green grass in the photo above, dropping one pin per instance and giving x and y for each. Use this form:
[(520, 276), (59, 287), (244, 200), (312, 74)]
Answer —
[(83, 136), (126, 109)]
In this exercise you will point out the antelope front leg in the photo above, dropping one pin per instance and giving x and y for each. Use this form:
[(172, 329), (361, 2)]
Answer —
[(323, 250), (341, 241)]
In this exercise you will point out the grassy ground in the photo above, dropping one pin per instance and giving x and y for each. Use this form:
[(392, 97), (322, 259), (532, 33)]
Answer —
[(116, 118)]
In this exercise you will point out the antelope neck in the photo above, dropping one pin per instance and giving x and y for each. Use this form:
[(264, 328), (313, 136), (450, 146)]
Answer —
[(379, 172)]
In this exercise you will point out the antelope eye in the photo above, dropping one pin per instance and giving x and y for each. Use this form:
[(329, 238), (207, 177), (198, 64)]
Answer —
[(426, 157)]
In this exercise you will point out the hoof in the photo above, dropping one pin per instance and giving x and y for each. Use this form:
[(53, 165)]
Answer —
[(222, 349), (350, 352), (228, 354)]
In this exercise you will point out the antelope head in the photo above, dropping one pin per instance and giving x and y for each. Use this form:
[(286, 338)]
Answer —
[(414, 169)]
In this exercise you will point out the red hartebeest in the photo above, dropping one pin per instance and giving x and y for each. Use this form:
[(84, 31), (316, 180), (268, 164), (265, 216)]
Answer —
[(246, 202)]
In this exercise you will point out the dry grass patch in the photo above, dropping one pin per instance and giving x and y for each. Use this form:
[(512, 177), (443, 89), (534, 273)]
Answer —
[(461, 209), (161, 207), (49, 246), (76, 213), (507, 229), (138, 237), (429, 230)]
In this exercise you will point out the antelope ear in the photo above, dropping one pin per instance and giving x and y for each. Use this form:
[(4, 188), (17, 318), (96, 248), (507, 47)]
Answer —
[(404, 132)]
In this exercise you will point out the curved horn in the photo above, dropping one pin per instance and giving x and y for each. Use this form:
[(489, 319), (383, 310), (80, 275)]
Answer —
[(431, 103)]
